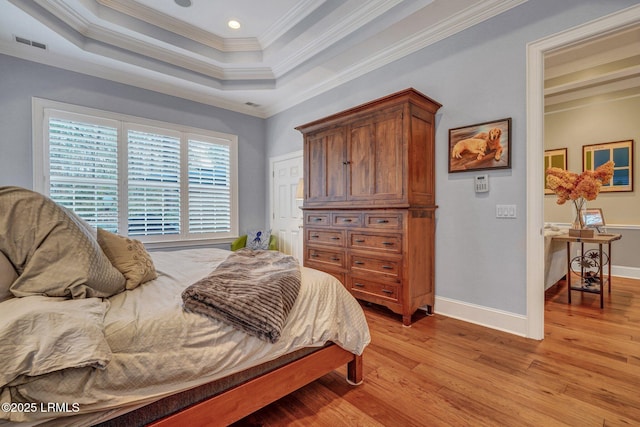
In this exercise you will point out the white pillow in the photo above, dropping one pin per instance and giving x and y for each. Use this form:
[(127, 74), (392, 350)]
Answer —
[(7, 276), (258, 240), (44, 334)]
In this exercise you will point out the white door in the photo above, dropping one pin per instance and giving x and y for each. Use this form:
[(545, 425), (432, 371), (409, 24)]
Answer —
[(286, 216)]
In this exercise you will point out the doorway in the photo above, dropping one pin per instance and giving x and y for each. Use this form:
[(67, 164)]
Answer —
[(535, 151), (286, 216)]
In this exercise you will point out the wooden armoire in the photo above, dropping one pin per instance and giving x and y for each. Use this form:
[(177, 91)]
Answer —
[(369, 202)]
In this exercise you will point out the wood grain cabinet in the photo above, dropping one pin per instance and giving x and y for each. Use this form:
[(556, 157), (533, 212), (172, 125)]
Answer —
[(369, 201)]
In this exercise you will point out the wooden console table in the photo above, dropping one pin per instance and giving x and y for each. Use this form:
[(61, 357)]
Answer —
[(589, 282)]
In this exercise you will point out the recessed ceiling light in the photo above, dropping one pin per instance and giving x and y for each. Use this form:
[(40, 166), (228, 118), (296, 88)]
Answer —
[(233, 24), (183, 3)]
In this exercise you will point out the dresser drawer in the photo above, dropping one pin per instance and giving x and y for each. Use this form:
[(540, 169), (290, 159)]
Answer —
[(312, 218), (325, 257), (383, 220), (347, 219), (364, 265), (325, 237), (363, 287), (384, 242)]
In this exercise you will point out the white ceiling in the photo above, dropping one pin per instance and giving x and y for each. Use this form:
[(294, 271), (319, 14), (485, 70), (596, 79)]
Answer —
[(285, 52), (595, 70)]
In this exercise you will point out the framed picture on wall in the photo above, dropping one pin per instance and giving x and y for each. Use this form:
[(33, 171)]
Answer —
[(621, 152), (556, 158), (480, 146)]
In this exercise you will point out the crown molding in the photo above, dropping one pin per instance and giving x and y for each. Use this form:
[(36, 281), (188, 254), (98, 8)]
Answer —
[(201, 94), (333, 33), (176, 26), (289, 20), (430, 35)]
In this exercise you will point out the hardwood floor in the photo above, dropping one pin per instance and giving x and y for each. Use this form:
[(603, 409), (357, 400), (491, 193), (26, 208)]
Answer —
[(445, 372)]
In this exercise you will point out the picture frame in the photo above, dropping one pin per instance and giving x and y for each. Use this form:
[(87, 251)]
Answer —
[(621, 152), (593, 218), (480, 146), (554, 158)]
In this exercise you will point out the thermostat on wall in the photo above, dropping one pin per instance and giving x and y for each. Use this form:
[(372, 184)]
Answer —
[(482, 183)]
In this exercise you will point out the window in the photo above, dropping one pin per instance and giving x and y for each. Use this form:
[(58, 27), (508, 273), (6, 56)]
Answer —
[(155, 181)]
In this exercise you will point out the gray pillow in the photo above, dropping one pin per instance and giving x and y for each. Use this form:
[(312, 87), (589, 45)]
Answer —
[(52, 251)]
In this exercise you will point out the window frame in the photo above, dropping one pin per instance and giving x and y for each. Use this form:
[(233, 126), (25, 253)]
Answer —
[(41, 109)]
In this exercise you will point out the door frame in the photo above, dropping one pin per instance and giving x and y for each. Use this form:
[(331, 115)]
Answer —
[(535, 151), (272, 160)]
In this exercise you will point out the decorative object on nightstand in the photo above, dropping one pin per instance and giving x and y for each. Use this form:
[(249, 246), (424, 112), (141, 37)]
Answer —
[(579, 188)]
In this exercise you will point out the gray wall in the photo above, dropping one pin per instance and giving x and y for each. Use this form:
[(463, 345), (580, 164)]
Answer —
[(598, 122), (21, 80), (478, 75)]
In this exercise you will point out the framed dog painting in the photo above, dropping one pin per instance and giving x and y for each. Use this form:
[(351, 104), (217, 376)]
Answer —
[(481, 146)]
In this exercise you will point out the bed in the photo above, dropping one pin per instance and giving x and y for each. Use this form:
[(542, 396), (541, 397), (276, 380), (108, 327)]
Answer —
[(138, 357), (555, 255)]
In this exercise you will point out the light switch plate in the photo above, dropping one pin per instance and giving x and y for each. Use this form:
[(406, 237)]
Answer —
[(506, 211)]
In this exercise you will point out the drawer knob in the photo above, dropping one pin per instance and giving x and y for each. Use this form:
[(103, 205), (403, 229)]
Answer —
[(360, 285), (358, 262), (315, 236), (347, 220), (335, 259), (387, 243), (359, 240), (387, 267), (317, 219), (335, 238), (314, 255), (387, 291), (382, 221)]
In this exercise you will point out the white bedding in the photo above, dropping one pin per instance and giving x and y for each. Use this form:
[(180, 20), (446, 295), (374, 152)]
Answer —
[(158, 349), (555, 256)]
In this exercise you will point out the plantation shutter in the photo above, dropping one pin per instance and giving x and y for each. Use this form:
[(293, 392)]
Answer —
[(209, 186), (164, 184), (83, 168), (153, 183)]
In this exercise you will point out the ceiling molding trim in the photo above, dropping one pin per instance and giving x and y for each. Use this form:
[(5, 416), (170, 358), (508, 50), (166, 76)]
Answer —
[(575, 104), (599, 90), (203, 95), (289, 20), (459, 22), (176, 26), (104, 41), (333, 33), (626, 73), (60, 10)]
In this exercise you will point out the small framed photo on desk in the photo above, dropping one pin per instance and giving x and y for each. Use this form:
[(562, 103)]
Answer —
[(593, 218)]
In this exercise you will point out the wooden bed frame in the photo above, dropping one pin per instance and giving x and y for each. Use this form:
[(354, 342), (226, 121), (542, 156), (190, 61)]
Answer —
[(246, 398)]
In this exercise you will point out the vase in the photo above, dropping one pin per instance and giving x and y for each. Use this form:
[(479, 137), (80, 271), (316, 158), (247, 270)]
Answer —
[(577, 227), (579, 207)]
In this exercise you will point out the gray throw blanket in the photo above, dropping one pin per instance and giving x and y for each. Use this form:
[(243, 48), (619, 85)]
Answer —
[(251, 290)]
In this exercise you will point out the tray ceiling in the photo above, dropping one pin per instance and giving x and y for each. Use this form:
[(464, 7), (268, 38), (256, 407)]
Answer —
[(286, 51)]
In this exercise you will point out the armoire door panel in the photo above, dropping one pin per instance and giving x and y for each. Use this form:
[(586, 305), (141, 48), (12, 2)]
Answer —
[(325, 166), (362, 160)]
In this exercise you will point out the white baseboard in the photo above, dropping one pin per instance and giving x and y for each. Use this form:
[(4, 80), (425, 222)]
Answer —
[(484, 316), (629, 272), (499, 319)]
